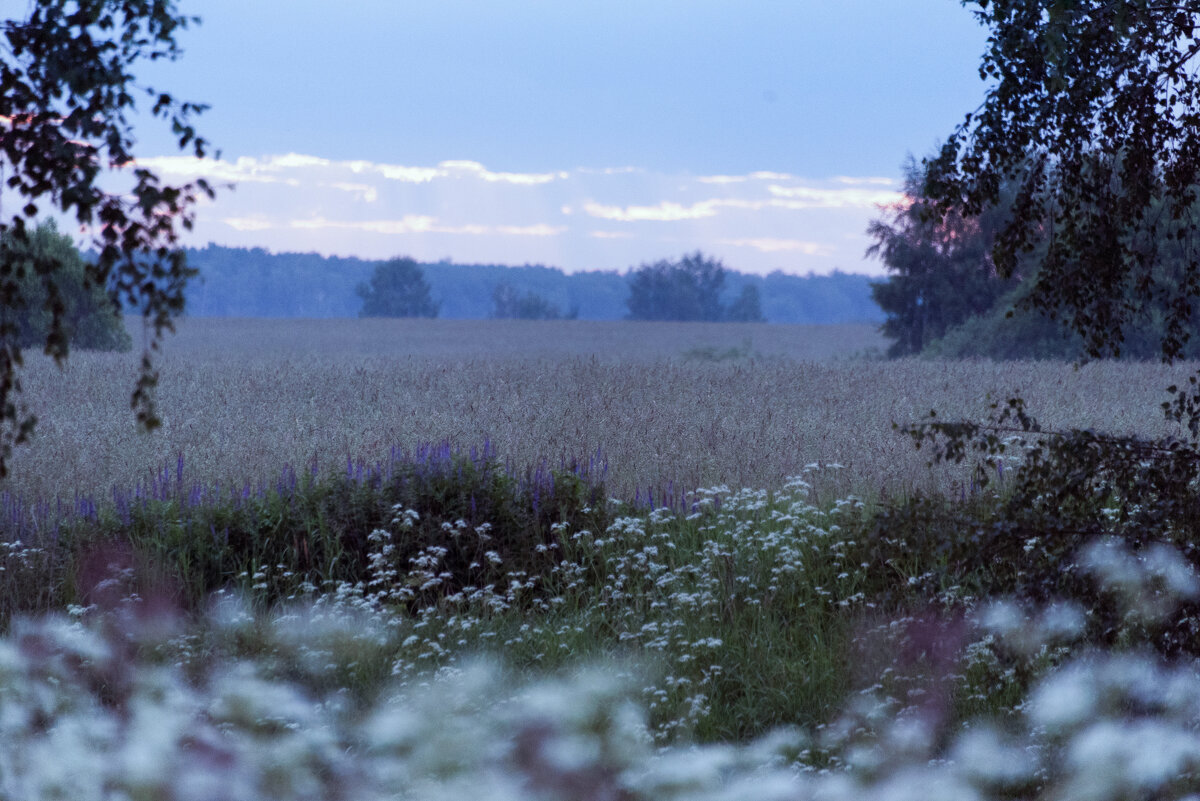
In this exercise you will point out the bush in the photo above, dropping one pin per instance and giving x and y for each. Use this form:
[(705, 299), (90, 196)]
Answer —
[(509, 304), (314, 528), (1037, 498), (47, 271), (1010, 330), (1005, 332)]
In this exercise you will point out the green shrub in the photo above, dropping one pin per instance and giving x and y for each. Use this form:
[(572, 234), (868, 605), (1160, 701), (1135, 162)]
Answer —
[(314, 529), (1037, 498), (1006, 333), (1009, 330), (47, 271)]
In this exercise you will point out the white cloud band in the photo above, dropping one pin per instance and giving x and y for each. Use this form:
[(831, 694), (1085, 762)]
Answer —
[(758, 221)]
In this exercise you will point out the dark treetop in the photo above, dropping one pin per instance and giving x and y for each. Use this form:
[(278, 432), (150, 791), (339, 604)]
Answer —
[(1094, 112)]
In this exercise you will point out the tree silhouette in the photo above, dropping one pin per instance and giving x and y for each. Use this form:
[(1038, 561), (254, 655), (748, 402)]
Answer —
[(940, 271), (397, 289), (746, 308), (1094, 116), (688, 289), (66, 90)]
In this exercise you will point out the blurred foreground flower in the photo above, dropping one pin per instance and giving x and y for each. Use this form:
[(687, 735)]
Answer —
[(122, 704)]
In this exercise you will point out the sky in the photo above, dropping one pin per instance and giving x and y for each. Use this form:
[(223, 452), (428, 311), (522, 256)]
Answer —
[(589, 134)]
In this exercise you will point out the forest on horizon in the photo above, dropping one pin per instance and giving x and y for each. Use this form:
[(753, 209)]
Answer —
[(253, 282)]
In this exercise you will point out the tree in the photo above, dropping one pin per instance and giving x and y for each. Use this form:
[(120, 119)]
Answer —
[(1012, 329), (90, 319), (747, 308), (397, 289), (1094, 115), (509, 304), (66, 90), (688, 290), (939, 263)]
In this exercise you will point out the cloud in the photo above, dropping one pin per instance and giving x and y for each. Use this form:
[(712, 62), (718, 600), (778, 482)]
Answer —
[(771, 245), (294, 160), (788, 198), (266, 169), (609, 170), (738, 179), (248, 223), (662, 212), (413, 224), (367, 192), (189, 168), (582, 218), (845, 179), (398, 172), (523, 178), (541, 229), (813, 197), (792, 198), (408, 224)]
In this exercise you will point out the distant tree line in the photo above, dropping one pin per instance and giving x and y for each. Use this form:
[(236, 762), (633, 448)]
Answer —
[(252, 282), (687, 290)]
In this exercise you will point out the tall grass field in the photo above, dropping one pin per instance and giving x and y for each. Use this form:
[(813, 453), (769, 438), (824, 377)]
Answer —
[(682, 404), (574, 560)]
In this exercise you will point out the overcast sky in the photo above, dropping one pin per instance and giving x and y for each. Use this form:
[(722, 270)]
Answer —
[(576, 133)]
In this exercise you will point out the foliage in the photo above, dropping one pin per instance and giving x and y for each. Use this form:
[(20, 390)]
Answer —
[(687, 290), (939, 265), (709, 597), (543, 563), (508, 303), (340, 695), (397, 289), (1091, 115), (89, 317), (1013, 330), (315, 527), (1009, 331), (746, 308), (1060, 491), (1092, 118), (935, 311), (66, 89)]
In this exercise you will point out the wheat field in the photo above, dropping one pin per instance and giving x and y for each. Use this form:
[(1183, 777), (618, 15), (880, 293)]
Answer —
[(686, 405)]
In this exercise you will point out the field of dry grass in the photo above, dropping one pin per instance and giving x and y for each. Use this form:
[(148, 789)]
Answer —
[(693, 404), (207, 338)]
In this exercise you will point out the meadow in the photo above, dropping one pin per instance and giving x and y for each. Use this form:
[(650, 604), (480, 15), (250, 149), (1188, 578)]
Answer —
[(691, 561), (670, 406)]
